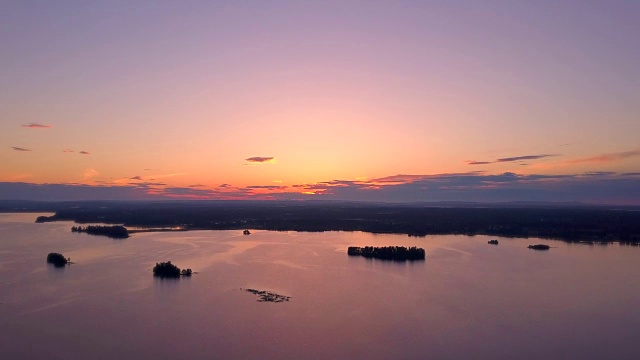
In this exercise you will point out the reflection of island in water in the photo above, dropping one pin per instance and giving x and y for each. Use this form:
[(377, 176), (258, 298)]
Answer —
[(395, 253), (116, 231), (268, 296)]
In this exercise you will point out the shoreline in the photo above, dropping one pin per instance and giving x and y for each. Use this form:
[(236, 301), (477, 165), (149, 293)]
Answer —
[(574, 225)]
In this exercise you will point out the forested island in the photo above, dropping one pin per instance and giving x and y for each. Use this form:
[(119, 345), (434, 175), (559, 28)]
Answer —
[(57, 259), (568, 222), (169, 270), (115, 232), (395, 253), (539, 247)]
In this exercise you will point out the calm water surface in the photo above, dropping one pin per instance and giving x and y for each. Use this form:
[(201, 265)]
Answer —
[(468, 300)]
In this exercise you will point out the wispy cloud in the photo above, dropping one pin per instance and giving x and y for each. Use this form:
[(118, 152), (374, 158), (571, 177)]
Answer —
[(260, 159), (266, 187), (162, 176), (599, 173), (525, 157), (20, 149), (511, 159), (84, 152), (135, 178), (36, 126), (89, 174), (591, 187), (594, 187), (148, 184), (604, 158), (68, 151), (405, 179)]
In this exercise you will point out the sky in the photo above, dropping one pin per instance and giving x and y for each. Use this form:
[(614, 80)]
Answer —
[(339, 100)]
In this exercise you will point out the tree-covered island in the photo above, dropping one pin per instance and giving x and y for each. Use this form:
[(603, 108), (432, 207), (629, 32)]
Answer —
[(395, 253), (539, 247), (169, 270), (57, 259), (115, 231)]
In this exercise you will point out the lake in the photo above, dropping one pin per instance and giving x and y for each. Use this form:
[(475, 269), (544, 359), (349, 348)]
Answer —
[(467, 300)]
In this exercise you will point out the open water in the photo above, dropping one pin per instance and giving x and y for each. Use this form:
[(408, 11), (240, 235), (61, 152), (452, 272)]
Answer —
[(468, 300)]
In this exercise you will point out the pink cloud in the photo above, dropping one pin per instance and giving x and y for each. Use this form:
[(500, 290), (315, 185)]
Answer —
[(36, 126), (260, 159), (20, 149), (608, 157)]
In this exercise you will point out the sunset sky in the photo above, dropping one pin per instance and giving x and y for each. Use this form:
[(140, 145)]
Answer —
[(340, 100)]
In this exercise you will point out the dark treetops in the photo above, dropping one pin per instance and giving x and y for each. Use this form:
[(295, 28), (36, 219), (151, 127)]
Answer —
[(539, 247), (168, 270), (115, 232), (57, 259), (395, 253), (573, 224)]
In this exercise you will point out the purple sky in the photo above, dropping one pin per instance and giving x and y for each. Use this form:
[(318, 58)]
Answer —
[(278, 99)]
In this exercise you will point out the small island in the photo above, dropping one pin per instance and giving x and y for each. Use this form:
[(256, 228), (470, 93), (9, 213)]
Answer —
[(395, 253), (539, 247), (268, 296), (493, 242), (246, 232), (57, 259), (115, 232), (168, 270)]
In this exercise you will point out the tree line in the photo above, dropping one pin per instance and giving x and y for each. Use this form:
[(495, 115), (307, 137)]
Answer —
[(116, 231), (169, 270), (396, 253)]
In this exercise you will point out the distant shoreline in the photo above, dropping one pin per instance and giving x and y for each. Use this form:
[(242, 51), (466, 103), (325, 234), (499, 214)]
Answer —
[(579, 225), (583, 242)]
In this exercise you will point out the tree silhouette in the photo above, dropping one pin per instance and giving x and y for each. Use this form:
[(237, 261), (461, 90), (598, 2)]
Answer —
[(57, 259)]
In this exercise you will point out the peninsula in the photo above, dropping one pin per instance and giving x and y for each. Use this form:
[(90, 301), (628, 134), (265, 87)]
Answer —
[(115, 232)]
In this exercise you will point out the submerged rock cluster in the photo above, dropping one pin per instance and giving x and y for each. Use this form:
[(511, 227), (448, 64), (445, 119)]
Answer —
[(268, 296)]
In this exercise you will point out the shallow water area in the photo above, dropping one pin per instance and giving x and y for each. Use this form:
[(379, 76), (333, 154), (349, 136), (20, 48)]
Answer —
[(468, 299)]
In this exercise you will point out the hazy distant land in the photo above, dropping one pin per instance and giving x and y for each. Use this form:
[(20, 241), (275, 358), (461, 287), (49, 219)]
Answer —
[(568, 222)]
